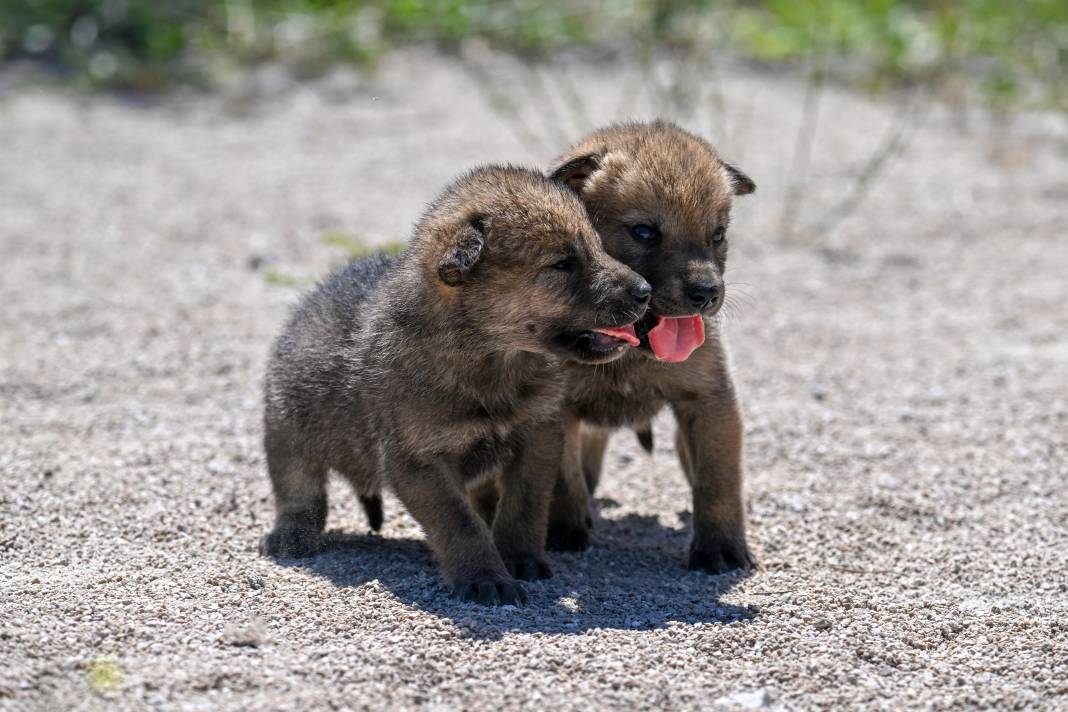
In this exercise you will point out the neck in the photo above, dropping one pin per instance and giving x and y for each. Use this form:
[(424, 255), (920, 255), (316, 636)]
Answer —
[(445, 349)]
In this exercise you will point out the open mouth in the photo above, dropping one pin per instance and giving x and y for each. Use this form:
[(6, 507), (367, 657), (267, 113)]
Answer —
[(600, 344), (611, 337), (671, 338)]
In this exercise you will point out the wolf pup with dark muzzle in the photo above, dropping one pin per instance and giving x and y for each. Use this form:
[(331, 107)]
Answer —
[(660, 199), (437, 369)]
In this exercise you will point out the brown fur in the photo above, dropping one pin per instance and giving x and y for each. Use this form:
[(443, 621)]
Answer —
[(435, 370), (659, 175)]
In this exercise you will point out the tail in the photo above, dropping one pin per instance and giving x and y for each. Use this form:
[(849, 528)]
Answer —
[(372, 507), (645, 437)]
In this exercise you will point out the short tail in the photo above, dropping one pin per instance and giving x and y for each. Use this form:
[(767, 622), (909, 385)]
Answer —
[(372, 507), (645, 437)]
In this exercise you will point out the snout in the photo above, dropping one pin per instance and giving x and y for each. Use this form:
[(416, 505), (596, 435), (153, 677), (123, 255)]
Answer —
[(641, 292), (614, 300), (704, 296), (690, 295), (628, 296)]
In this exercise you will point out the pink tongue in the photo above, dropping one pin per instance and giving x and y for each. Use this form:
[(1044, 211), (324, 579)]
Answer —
[(674, 338), (623, 333)]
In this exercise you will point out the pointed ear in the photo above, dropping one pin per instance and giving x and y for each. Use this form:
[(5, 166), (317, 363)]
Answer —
[(462, 251), (574, 173), (743, 184)]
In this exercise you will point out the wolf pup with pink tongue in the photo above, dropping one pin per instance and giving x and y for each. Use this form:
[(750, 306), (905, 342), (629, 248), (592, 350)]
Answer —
[(439, 369), (660, 198)]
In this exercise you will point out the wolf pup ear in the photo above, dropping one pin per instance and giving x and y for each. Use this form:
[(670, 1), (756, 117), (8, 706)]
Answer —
[(574, 173), (462, 252), (743, 184)]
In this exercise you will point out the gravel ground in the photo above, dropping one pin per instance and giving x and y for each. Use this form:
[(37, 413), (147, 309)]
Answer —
[(905, 382)]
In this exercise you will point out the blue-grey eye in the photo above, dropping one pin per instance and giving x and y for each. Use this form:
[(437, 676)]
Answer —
[(644, 232), (719, 235), (566, 264)]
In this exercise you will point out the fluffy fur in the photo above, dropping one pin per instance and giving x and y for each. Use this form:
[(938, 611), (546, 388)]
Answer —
[(439, 369)]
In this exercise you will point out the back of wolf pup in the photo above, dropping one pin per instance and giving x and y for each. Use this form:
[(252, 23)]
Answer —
[(660, 198), (308, 407), (439, 368)]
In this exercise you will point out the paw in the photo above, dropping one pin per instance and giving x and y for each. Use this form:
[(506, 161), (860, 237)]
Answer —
[(721, 556), (568, 537), (490, 590), (528, 568), (289, 542)]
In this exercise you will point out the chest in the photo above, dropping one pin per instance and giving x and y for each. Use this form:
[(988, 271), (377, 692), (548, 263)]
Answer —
[(625, 392), (494, 436), (476, 432)]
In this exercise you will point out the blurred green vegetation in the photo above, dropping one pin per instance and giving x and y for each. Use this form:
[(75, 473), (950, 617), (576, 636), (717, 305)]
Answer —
[(103, 675), (351, 248), (1010, 52), (355, 248), (1015, 51)]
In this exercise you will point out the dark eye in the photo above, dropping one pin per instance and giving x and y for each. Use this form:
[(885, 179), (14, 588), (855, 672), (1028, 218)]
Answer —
[(644, 232), (567, 264), (719, 235)]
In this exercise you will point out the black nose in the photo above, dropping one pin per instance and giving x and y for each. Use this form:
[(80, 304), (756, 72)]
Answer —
[(702, 294), (642, 292)]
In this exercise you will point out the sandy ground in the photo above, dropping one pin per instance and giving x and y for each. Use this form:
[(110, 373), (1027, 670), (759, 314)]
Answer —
[(905, 382)]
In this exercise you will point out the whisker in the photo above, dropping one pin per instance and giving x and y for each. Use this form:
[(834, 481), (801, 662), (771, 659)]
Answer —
[(731, 311)]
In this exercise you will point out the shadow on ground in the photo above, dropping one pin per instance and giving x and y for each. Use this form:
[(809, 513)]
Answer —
[(633, 578)]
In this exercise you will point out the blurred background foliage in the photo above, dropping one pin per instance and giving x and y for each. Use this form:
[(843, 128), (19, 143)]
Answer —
[(1008, 53)]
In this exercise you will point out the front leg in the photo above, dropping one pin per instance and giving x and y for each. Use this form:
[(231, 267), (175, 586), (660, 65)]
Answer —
[(570, 515), (593, 442), (710, 450), (435, 496), (484, 497), (521, 521)]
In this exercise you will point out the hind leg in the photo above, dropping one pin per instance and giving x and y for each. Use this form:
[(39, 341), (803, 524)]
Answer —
[(300, 504)]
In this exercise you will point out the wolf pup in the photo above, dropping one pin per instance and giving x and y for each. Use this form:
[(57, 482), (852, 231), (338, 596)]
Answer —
[(660, 198), (439, 368)]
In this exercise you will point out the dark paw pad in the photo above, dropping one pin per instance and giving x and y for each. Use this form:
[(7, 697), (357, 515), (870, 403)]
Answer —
[(568, 537), (721, 557), (290, 543), (528, 568), (490, 591)]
